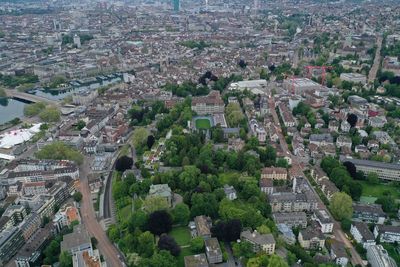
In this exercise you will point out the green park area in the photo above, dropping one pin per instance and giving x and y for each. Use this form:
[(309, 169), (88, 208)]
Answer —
[(378, 190), (182, 237), (203, 124)]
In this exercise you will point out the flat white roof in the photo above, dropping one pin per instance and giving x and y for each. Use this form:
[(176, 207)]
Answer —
[(6, 157)]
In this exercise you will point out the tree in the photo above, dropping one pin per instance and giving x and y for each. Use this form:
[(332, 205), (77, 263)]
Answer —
[(51, 252), (65, 259), (77, 196), (263, 229), (59, 151), (146, 241), (351, 168), (242, 64), (155, 203), (352, 120), (388, 203), (217, 134), (282, 162), (150, 141), (123, 163), (341, 206), (139, 137), (197, 245), (234, 114), (181, 214), (138, 219), (373, 178), (50, 114), (328, 164), (346, 224), (80, 125), (243, 249), (227, 231), (204, 204), (159, 222), (34, 109), (162, 258), (276, 261), (168, 243)]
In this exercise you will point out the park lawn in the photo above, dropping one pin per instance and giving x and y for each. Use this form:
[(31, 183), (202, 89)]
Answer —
[(203, 124), (377, 190), (181, 235), (125, 212), (184, 252)]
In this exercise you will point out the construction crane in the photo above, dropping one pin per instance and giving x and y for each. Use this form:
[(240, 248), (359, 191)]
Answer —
[(323, 68)]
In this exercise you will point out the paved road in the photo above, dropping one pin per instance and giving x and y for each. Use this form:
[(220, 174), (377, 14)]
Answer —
[(107, 249), (377, 61), (298, 167)]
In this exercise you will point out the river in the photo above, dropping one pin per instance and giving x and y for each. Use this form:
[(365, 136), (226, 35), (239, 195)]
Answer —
[(10, 109)]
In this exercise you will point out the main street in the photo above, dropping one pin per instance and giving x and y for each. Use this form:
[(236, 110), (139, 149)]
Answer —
[(377, 61), (296, 165), (107, 249)]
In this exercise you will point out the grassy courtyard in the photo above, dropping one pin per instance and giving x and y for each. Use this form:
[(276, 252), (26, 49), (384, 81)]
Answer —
[(184, 252), (377, 190), (203, 124), (181, 235)]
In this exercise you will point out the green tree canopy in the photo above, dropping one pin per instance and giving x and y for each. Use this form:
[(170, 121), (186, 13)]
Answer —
[(50, 114), (181, 214), (59, 151), (341, 206), (34, 109)]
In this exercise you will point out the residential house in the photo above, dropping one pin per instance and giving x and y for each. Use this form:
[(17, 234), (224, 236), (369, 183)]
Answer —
[(290, 202), (338, 253), (77, 241), (324, 220), (362, 234), (198, 260), (291, 219), (311, 238), (377, 122), (286, 233), (378, 257), (321, 139), (333, 126), (267, 186), (345, 126), (230, 192), (161, 190), (260, 242), (343, 141), (30, 253), (274, 173), (11, 240), (387, 233), (213, 250), (258, 131), (371, 213), (203, 226)]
